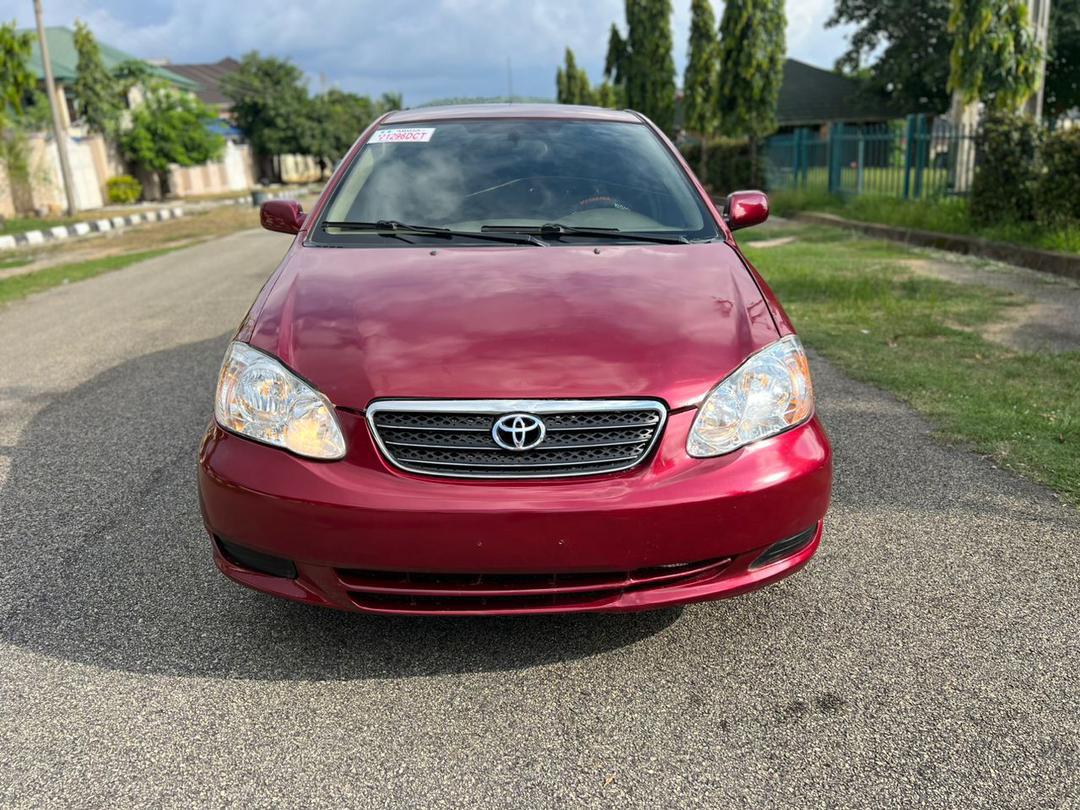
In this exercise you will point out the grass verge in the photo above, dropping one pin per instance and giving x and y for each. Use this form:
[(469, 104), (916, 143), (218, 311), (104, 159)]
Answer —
[(7, 262), (854, 301), (21, 286), (15, 225), (945, 215)]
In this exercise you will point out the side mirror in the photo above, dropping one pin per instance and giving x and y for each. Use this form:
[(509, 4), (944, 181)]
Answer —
[(745, 208), (283, 216)]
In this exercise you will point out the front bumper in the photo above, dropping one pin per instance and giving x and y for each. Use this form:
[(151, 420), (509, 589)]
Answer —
[(364, 536)]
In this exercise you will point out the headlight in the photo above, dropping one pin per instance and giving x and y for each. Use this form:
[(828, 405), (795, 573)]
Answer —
[(766, 395), (259, 398)]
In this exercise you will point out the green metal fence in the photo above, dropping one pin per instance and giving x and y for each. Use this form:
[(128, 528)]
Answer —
[(910, 158)]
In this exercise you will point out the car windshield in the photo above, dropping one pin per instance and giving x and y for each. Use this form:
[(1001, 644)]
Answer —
[(564, 180)]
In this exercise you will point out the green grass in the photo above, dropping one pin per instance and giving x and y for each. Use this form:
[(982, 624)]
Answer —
[(16, 225), (919, 338), (21, 286), (944, 214), (7, 263)]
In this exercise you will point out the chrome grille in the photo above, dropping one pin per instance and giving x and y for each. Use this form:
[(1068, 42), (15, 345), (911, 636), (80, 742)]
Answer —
[(455, 438)]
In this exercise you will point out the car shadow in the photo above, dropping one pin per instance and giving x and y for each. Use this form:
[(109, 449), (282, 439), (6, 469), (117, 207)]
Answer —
[(104, 560)]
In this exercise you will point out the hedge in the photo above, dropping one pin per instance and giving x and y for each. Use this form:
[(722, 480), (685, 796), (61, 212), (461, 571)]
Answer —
[(728, 165), (1004, 184), (123, 189), (1057, 189)]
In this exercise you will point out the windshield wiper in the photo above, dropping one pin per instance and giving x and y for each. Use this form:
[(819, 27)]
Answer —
[(392, 227), (557, 229)]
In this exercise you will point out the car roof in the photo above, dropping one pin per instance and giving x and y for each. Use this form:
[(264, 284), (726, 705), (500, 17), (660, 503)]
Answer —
[(473, 111)]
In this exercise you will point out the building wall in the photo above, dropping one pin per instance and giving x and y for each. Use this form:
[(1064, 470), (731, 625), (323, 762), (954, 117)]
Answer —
[(7, 201), (299, 169), (234, 172), (45, 185)]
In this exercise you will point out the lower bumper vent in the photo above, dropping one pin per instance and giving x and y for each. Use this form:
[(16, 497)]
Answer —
[(469, 593)]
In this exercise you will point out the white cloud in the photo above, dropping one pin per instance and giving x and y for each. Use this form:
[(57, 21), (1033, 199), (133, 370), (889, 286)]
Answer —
[(423, 48)]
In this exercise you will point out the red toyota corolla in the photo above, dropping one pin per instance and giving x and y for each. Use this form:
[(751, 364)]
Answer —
[(513, 362)]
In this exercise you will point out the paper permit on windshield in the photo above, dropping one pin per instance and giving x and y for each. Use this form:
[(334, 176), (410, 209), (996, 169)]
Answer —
[(403, 135)]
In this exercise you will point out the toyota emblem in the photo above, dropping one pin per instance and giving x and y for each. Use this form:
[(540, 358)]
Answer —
[(518, 431)]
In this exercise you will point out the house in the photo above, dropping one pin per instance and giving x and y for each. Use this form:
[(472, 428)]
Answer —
[(64, 60), (813, 97), (92, 160), (208, 77)]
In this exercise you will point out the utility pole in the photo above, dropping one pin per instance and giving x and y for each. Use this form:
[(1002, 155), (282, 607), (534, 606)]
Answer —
[(1039, 11), (58, 128)]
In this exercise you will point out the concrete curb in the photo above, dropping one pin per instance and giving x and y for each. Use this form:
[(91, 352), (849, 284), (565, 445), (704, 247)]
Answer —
[(1046, 261)]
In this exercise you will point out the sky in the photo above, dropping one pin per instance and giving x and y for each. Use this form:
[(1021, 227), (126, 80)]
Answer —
[(424, 49)]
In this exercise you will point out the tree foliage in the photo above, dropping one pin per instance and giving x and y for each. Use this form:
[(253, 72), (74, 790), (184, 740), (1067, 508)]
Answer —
[(615, 60), (16, 80), (1003, 188), (700, 79), (170, 127), (273, 109), (607, 95), (994, 57), (572, 83), (336, 120), (97, 91), (572, 86), (22, 109), (269, 100), (905, 46), (388, 102), (647, 65), (1063, 62), (1057, 202), (751, 63)]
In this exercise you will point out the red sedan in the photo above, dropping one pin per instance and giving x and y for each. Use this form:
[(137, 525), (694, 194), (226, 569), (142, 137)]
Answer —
[(513, 362)]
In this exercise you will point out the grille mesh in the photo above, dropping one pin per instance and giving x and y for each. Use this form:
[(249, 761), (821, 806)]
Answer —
[(604, 438)]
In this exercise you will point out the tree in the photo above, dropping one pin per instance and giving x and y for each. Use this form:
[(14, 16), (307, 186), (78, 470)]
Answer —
[(647, 65), (615, 60), (607, 95), (1063, 60), (130, 73), (994, 57), (16, 80), (908, 45), (700, 79), (572, 83), (170, 128), (270, 106), (97, 92), (751, 69), (388, 102), (337, 118), (22, 109)]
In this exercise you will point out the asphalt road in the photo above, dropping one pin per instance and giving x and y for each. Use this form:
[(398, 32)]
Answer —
[(928, 656)]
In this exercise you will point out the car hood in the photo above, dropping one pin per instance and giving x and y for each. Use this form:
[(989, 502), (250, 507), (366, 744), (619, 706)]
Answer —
[(665, 321)]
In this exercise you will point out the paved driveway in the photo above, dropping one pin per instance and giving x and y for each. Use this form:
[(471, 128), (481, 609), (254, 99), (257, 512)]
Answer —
[(929, 656)]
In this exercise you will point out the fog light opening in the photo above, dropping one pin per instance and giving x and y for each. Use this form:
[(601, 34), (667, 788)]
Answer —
[(785, 548), (256, 560)]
